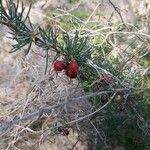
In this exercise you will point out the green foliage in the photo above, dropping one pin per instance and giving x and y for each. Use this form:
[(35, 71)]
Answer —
[(81, 14), (122, 124), (72, 1), (145, 61), (69, 22), (76, 48), (53, 13), (14, 20)]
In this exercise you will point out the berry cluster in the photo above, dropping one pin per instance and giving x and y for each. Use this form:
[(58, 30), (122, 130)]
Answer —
[(69, 67)]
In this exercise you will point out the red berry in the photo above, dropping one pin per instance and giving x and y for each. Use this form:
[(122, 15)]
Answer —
[(58, 65), (73, 65), (71, 74)]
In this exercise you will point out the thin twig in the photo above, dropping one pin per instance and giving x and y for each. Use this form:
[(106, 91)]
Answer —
[(96, 111), (100, 136), (117, 10)]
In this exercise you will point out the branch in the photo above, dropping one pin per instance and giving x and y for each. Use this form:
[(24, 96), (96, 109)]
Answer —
[(117, 10), (47, 110), (44, 111), (96, 111)]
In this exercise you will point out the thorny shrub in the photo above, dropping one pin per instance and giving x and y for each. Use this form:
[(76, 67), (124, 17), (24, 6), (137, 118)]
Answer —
[(111, 64)]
